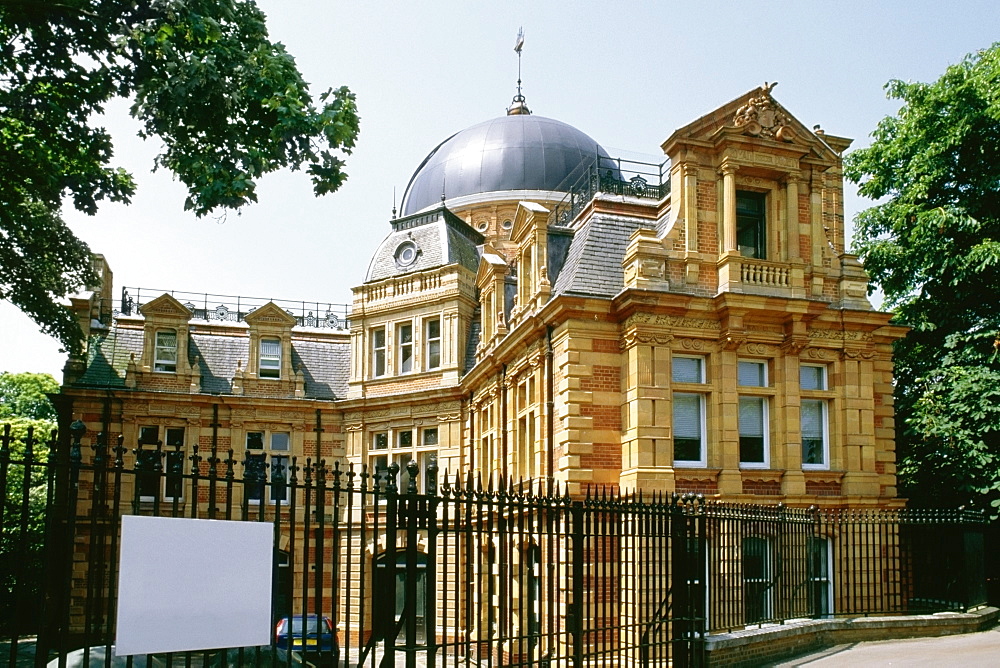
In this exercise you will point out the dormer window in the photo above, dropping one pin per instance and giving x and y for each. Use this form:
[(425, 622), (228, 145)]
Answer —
[(165, 353), (406, 254), (270, 358), (751, 227)]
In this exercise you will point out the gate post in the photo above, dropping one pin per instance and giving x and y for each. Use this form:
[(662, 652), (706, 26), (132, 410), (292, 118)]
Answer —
[(576, 607), (410, 516), (388, 612), (430, 588), (680, 582)]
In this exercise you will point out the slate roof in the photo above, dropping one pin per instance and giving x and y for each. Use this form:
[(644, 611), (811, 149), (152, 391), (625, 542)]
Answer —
[(475, 332), (218, 355), (440, 238), (108, 357), (593, 265), (325, 365)]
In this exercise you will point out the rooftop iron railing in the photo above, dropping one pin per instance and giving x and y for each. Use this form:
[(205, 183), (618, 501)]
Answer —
[(233, 308), (614, 176)]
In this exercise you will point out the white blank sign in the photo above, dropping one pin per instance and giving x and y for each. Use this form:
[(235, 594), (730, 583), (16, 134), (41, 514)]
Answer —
[(188, 584)]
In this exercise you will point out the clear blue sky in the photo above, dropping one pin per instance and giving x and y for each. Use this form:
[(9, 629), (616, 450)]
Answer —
[(626, 73)]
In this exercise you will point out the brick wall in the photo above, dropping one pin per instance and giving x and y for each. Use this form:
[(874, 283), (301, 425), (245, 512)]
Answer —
[(603, 379), (605, 417), (605, 345), (755, 647), (762, 487), (817, 488), (706, 487), (603, 456)]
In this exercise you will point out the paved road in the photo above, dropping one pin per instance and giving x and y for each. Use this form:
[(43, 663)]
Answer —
[(970, 650)]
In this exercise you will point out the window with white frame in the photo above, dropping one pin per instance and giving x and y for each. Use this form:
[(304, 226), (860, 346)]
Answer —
[(401, 446), (148, 463), (378, 352), (433, 338), (159, 471), (267, 462), (173, 478), (687, 369), (753, 415), (270, 358), (165, 352), (689, 429), (404, 347), (814, 418), (378, 464), (173, 472), (688, 411)]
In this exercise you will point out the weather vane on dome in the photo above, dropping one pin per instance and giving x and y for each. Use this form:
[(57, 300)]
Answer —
[(517, 106)]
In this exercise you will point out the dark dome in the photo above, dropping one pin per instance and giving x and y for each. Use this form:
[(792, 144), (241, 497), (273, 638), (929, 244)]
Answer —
[(519, 152)]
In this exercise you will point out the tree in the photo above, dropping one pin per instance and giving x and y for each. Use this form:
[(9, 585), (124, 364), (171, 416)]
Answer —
[(933, 247), (24, 395), (30, 416), (228, 105)]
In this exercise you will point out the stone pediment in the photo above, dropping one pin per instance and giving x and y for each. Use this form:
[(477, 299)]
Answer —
[(758, 118), (524, 219), (270, 314), (165, 307), (489, 264)]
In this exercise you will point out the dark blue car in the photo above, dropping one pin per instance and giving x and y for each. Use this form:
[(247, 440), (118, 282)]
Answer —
[(310, 634)]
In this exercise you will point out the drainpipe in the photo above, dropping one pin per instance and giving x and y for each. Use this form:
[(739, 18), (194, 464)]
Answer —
[(215, 428), (549, 409), (106, 417), (319, 432), (472, 436), (503, 421)]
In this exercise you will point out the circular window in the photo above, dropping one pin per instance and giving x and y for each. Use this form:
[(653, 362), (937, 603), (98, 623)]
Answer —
[(406, 253), (482, 225), (507, 224)]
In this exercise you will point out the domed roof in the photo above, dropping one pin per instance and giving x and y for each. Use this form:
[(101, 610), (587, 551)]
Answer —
[(515, 152)]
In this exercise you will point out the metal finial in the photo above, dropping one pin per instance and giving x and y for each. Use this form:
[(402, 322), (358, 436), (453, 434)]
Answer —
[(517, 105)]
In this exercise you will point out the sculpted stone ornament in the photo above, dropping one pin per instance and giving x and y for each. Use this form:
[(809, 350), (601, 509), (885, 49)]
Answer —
[(760, 117)]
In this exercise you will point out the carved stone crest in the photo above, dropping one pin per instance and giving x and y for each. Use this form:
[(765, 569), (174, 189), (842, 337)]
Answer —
[(758, 348), (761, 117), (691, 344)]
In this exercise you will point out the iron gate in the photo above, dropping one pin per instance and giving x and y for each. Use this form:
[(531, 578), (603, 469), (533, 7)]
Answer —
[(463, 572), (467, 573)]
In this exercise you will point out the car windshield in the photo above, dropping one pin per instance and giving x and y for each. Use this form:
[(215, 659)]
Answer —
[(310, 625)]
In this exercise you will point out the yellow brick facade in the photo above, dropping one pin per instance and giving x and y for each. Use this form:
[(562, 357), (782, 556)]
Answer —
[(516, 345), (575, 388)]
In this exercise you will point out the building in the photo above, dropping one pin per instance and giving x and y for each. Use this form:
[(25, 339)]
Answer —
[(541, 313), (542, 310)]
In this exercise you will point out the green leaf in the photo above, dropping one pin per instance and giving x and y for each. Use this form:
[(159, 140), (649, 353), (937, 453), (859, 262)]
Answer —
[(228, 105)]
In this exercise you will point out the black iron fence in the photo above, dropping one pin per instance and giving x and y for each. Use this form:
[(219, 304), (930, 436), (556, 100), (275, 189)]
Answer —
[(461, 574)]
